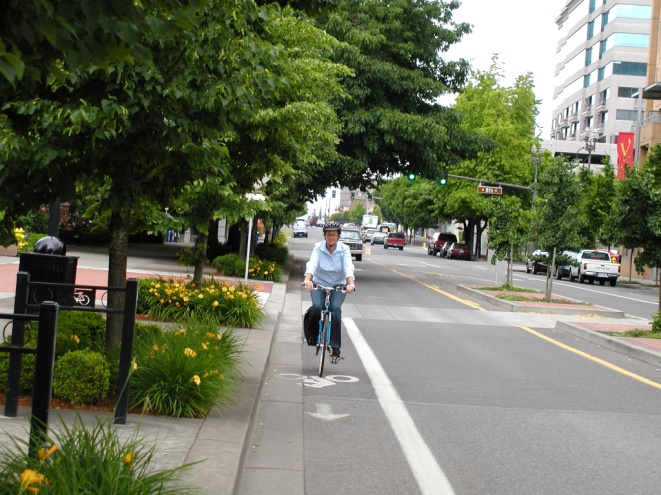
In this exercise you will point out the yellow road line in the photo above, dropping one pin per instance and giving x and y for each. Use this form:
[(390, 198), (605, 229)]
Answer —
[(593, 358), (436, 289)]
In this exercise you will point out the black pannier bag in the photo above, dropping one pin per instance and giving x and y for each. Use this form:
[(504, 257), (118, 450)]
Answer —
[(311, 325)]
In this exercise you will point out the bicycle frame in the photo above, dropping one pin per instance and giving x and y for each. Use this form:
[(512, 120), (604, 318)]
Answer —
[(324, 334)]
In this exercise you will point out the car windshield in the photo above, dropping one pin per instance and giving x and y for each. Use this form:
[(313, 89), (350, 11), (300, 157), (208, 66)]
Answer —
[(460, 246), (398, 235), (350, 235), (379, 234), (597, 255)]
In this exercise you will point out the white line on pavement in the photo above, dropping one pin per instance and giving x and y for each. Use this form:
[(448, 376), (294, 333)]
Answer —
[(428, 474)]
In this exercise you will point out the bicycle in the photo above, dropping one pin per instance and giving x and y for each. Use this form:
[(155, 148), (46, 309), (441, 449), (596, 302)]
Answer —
[(324, 334)]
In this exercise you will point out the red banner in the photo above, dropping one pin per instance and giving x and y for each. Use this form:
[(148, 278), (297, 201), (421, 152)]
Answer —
[(625, 145)]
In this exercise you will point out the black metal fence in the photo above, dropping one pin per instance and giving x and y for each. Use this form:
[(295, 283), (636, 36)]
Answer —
[(30, 295), (45, 360)]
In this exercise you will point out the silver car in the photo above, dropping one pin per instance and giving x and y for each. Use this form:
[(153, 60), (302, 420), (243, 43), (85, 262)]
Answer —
[(352, 239)]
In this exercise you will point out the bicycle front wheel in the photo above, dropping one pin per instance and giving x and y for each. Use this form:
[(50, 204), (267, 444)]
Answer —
[(324, 341)]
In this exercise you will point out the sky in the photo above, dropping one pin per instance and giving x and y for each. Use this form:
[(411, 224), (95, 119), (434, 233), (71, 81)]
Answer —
[(524, 35)]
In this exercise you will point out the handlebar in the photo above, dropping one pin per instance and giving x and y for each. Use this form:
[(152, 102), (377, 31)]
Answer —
[(338, 288)]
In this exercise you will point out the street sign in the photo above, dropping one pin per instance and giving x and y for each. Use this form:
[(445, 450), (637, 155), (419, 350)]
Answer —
[(489, 190)]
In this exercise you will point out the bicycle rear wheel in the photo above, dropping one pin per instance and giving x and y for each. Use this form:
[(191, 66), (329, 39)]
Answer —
[(323, 340)]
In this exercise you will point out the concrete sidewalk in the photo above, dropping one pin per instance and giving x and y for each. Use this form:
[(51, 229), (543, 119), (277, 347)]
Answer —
[(218, 440)]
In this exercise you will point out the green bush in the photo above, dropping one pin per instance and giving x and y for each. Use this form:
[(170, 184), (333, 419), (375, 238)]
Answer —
[(77, 330), (176, 301), (230, 265), (272, 252), (185, 371), (81, 377), (86, 459)]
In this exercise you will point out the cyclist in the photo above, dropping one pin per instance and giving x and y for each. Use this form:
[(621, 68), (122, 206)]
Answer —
[(330, 264)]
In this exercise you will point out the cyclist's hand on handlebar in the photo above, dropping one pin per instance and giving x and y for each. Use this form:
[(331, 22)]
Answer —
[(350, 288), (309, 285)]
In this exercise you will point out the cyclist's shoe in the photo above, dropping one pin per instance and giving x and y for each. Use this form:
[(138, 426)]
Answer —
[(335, 355)]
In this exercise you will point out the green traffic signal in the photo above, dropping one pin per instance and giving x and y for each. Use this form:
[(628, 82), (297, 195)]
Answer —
[(410, 176), (442, 181)]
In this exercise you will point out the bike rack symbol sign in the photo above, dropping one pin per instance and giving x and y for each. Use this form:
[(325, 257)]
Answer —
[(84, 297)]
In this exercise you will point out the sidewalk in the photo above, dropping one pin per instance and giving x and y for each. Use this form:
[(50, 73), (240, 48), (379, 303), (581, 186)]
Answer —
[(219, 439)]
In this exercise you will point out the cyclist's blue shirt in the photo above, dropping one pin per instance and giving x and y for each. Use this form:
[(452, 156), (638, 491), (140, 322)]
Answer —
[(330, 268)]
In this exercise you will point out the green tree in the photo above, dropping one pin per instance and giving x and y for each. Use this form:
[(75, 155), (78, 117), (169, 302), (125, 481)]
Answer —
[(509, 229), (598, 201), (408, 203), (506, 117), (391, 124), (557, 224), (636, 218)]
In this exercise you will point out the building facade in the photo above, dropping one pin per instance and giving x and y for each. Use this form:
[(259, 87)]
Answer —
[(602, 64)]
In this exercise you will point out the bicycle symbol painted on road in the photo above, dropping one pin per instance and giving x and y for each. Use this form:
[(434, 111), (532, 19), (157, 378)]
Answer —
[(317, 382)]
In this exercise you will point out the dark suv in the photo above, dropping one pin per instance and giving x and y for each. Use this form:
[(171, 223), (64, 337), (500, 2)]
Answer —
[(437, 240)]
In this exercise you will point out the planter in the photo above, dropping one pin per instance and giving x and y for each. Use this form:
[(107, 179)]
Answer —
[(9, 250)]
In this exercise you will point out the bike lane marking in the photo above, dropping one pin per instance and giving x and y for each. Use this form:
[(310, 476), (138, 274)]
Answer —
[(428, 474)]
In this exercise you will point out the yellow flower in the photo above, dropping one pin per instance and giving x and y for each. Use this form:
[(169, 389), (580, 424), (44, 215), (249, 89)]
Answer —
[(205, 345), (154, 347), (196, 380), (43, 454), (211, 335), (31, 477), (200, 296), (128, 458), (134, 365), (215, 304), (75, 338), (190, 352)]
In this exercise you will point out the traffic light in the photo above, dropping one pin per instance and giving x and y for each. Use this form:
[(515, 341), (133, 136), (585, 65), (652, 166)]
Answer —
[(410, 176), (353, 195), (444, 177)]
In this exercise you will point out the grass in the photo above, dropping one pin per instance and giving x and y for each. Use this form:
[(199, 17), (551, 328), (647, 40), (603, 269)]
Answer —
[(509, 288), (637, 333)]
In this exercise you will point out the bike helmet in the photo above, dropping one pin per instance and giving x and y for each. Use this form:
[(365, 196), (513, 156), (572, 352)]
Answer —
[(332, 226)]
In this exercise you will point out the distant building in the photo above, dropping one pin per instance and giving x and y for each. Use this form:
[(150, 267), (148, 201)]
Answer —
[(602, 62)]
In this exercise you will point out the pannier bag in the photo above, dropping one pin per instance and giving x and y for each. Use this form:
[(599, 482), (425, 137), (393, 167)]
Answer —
[(311, 325)]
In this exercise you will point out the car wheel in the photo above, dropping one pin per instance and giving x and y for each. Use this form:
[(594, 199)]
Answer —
[(558, 275), (534, 270), (527, 268), (359, 257), (385, 246), (571, 277), (612, 282), (581, 278), (401, 248)]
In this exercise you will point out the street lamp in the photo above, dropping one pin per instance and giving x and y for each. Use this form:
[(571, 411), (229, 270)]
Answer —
[(249, 197), (590, 140)]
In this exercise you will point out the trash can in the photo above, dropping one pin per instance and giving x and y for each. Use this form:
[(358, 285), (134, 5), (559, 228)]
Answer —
[(53, 268)]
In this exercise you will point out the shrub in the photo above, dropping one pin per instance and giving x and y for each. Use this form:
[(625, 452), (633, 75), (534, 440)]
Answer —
[(264, 270), (230, 265), (272, 252), (86, 459), (78, 330), (185, 371), (81, 377), (223, 304)]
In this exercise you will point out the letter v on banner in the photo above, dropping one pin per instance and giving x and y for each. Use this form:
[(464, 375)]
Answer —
[(625, 151)]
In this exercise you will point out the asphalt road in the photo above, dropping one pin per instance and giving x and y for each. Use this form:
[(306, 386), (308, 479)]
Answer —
[(438, 394)]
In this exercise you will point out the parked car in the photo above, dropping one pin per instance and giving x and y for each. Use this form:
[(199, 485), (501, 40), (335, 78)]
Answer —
[(367, 235), (352, 239), (564, 261), (378, 238), (595, 264), (300, 230), (395, 239), (437, 240), (459, 250), (537, 261)]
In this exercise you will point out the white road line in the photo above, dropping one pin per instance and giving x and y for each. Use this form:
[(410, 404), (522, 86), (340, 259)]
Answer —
[(426, 471)]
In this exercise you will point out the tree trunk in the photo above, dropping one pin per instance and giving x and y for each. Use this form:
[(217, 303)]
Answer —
[(117, 264), (244, 239), (201, 258)]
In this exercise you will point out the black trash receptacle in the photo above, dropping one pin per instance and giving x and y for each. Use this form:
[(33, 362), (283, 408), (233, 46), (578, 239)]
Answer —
[(51, 268)]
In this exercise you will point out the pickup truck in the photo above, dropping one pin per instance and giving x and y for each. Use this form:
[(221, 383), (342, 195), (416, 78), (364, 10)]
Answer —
[(594, 264), (395, 239)]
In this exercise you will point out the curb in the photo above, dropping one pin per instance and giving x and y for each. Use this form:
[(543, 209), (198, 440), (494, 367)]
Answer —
[(612, 343), (545, 308)]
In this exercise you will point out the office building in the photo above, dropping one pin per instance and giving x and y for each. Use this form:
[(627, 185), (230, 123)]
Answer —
[(650, 131), (602, 60)]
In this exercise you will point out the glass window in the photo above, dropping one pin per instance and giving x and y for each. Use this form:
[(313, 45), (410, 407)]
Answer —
[(586, 81), (626, 115), (631, 11), (601, 73), (626, 92), (592, 5), (604, 20), (629, 39), (630, 68), (602, 47), (588, 56), (590, 29)]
